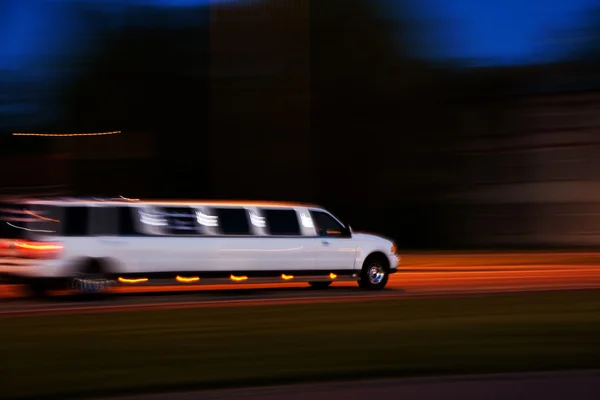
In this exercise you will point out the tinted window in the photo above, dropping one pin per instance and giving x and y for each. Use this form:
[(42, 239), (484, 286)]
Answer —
[(282, 222), (112, 221), (180, 220), (233, 221), (326, 225), (103, 221), (126, 221), (76, 221)]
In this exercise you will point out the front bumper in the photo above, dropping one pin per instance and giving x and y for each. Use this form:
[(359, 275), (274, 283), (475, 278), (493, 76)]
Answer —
[(394, 263)]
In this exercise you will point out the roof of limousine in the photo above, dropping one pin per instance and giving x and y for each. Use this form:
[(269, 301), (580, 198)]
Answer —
[(183, 203)]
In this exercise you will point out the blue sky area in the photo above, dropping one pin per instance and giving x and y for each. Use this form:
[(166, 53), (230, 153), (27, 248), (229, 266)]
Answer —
[(34, 32), (493, 31), (505, 31)]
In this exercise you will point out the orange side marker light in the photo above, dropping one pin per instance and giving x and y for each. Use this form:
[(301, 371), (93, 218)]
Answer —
[(184, 279), (138, 280)]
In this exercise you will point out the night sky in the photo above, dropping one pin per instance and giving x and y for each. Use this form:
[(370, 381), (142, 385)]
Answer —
[(496, 31), (33, 32), (505, 31)]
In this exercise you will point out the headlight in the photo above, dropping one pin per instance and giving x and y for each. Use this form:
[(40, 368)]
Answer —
[(394, 248)]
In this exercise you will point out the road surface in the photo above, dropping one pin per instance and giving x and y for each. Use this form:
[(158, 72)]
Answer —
[(420, 275), (574, 385)]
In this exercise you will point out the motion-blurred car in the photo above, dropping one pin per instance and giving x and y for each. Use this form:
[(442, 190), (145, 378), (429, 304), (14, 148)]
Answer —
[(89, 245)]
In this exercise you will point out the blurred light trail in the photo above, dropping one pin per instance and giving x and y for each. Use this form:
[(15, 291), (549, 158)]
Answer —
[(414, 280), (66, 134)]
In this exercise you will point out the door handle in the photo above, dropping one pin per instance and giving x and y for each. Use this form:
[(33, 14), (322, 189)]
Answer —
[(325, 243)]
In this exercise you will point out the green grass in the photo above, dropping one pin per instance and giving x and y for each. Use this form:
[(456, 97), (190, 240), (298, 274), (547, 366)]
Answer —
[(77, 355)]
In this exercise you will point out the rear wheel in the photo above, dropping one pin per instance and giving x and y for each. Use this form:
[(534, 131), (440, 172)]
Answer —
[(91, 281), (320, 285), (375, 273)]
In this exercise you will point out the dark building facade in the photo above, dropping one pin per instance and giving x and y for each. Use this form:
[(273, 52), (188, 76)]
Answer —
[(537, 183)]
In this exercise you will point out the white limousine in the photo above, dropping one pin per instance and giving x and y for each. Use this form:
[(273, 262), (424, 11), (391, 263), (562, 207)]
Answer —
[(89, 245)]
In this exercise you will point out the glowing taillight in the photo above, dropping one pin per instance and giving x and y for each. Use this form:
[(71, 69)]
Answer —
[(37, 249)]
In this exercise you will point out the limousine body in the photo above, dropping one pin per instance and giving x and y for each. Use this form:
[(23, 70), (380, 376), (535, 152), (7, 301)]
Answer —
[(89, 245)]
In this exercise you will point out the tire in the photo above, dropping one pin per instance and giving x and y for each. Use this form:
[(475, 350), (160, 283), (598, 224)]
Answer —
[(320, 285), (91, 281), (375, 273)]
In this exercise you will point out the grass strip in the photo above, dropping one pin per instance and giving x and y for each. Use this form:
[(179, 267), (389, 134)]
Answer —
[(69, 356)]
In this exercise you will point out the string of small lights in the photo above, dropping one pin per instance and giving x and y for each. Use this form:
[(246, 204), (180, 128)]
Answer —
[(65, 134)]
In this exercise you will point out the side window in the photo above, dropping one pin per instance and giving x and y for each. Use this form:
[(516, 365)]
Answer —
[(233, 221), (126, 222), (282, 222), (103, 221), (75, 221), (181, 221), (328, 226)]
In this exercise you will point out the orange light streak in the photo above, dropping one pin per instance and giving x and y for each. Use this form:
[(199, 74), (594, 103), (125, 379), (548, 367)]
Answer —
[(184, 279), (39, 216), (65, 134), (38, 246), (138, 280)]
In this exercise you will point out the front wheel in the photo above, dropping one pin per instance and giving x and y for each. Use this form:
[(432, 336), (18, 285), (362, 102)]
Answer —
[(374, 274)]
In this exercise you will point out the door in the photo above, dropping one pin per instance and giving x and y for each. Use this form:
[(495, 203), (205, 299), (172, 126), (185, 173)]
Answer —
[(335, 249), (179, 246), (113, 239), (237, 245), (284, 247)]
